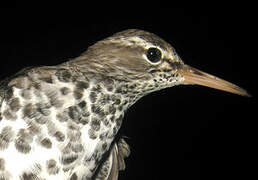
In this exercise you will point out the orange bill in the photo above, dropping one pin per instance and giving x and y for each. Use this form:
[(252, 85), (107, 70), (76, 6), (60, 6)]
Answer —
[(195, 76)]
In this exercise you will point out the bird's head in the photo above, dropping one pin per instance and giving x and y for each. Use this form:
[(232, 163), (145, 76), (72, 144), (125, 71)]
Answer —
[(147, 62)]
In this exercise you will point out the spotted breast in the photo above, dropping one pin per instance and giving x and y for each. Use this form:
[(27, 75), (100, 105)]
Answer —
[(56, 122), (60, 122)]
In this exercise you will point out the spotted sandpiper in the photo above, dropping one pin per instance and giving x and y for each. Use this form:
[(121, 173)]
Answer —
[(60, 122)]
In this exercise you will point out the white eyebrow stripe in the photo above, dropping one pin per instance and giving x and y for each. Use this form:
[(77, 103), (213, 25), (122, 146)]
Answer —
[(130, 41)]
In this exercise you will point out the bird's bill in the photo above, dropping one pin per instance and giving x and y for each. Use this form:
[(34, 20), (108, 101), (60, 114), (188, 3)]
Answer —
[(195, 76)]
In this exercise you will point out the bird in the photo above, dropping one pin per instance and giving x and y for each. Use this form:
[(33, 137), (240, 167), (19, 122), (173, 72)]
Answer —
[(62, 121)]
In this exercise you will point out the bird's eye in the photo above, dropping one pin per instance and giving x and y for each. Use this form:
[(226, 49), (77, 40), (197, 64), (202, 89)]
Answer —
[(154, 55)]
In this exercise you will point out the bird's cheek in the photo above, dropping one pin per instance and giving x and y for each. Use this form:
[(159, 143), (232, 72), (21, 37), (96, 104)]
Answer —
[(166, 66)]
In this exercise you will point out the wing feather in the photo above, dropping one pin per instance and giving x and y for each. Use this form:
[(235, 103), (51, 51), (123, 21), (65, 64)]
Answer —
[(109, 170)]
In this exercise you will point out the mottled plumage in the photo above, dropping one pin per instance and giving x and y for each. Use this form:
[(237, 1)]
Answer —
[(60, 122)]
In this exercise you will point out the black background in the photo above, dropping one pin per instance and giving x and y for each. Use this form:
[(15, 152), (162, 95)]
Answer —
[(185, 132)]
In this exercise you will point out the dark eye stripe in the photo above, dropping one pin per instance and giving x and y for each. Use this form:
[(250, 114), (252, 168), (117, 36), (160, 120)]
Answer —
[(176, 65)]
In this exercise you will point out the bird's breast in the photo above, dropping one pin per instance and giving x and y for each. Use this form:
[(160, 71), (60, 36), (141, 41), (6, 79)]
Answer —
[(62, 121)]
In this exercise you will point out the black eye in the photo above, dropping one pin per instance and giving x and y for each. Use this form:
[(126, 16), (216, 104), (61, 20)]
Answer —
[(154, 55)]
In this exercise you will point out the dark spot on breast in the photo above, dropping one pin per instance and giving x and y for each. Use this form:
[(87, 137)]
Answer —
[(95, 124), (82, 85), (74, 112), (77, 148), (25, 135), (117, 101), (51, 163), (37, 85), (105, 121), (112, 118), (26, 94), (133, 86), (115, 130), (52, 168), (63, 116), (110, 88), (96, 88), (9, 115), (95, 109), (104, 99), (54, 98), (120, 108), (43, 108), (30, 111), (15, 104), (68, 159), (65, 90), (119, 90), (92, 134), (59, 136), (2, 164), (82, 104), (74, 177), (64, 75), (22, 146), (33, 128), (104, 146), (46, 143), (85, 113), (119, 120), (84, 120), (112, 109), (102, 114), (125, 102), (73, 127), (93, 97), (29, 176), (6, 137), (9, 94), (67, 149), (103, 136), (122, 89), (51, 128), (77, 93)]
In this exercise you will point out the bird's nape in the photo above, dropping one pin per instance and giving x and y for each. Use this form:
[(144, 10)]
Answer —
[(196, 77)]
